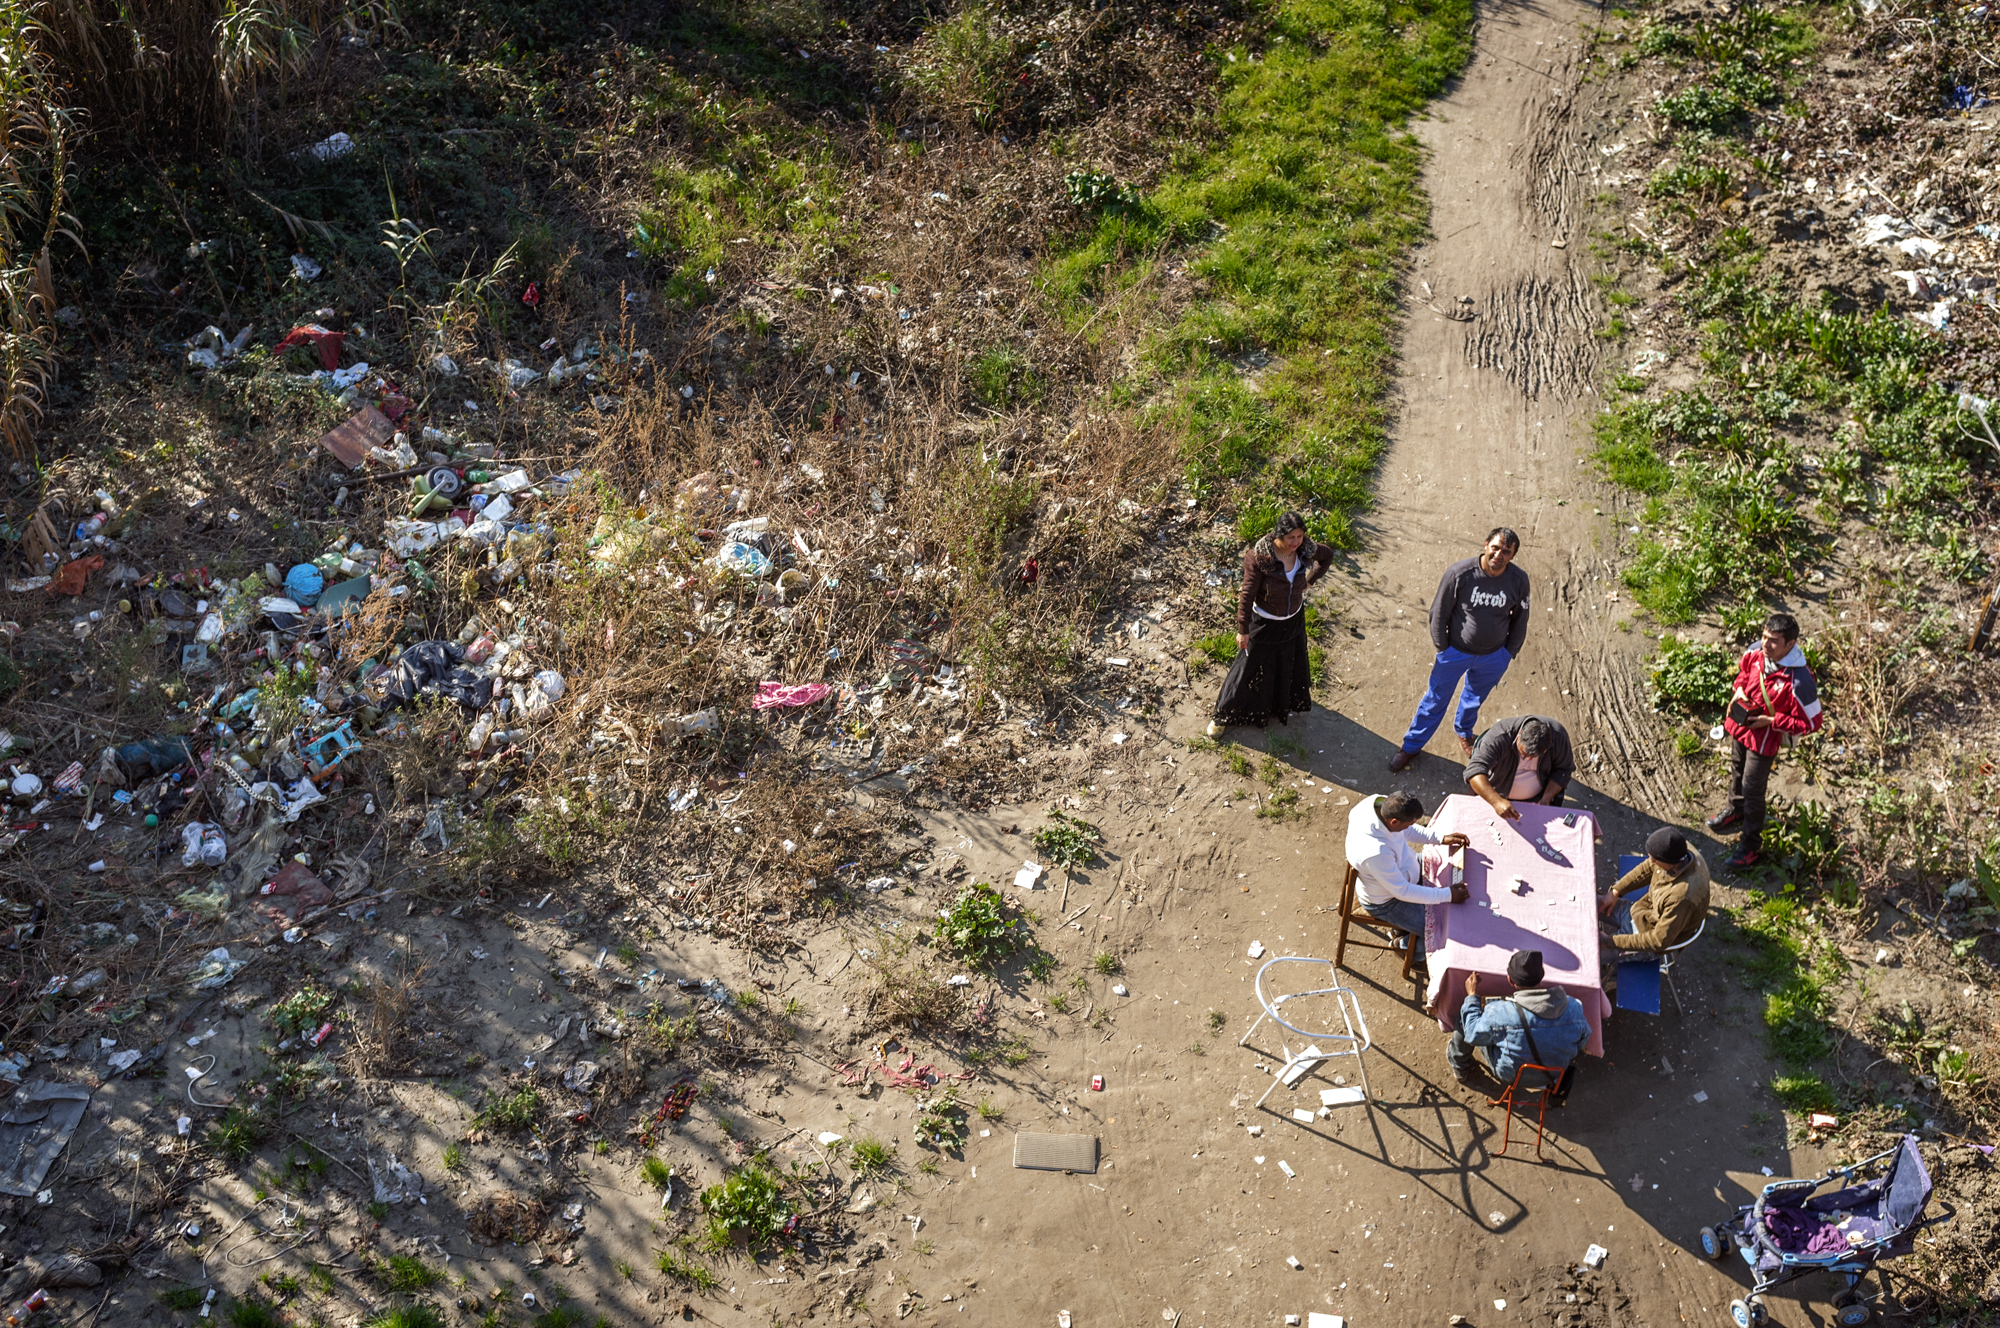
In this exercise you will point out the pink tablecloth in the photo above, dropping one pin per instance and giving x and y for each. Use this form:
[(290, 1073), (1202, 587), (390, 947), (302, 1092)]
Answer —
[(1556, 914)]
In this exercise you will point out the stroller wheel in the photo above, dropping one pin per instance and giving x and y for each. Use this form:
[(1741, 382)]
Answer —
[(1854, 1315), (1712, 1246), (1740, 1315), (1759, 1316)]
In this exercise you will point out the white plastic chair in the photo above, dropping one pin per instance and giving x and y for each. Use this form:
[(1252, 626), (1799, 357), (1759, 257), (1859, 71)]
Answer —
[(1667, 964), (1348, 1042)]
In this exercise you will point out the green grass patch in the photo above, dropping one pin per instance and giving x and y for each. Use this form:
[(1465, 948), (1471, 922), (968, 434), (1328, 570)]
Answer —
[(1300, 207), (512, 1112), (1797, 970), (406, 1275), (872, 1157), (687, 1271)]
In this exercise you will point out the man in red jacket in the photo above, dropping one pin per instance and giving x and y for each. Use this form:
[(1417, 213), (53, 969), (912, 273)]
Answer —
[(1775, 697)]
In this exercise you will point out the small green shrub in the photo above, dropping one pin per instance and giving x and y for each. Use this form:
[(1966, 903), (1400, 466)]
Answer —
[(1692, 675), (977, 928), (238, 1133), (1709, 184), (747, 1205), (941, 1123), (656, 1173), (409, 1316), (300, 1013), (1106, 963), (182, 1298), (511, 1113), (1688, 743), (1068, 841)]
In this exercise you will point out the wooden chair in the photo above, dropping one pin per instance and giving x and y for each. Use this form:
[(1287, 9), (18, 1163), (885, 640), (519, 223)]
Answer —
[(1510, 1094), (1351, 914)]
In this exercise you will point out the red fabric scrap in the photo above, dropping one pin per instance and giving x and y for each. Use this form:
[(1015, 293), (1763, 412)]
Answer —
[(327, 343), (532, 297)]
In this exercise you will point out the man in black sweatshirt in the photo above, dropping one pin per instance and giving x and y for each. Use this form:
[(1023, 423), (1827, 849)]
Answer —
[(1478, 622)]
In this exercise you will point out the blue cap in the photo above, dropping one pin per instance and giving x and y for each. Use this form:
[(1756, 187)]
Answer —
[(303, 584)]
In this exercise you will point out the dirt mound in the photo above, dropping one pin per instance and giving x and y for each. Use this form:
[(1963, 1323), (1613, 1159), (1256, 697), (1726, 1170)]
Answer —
[(1571, 1296)]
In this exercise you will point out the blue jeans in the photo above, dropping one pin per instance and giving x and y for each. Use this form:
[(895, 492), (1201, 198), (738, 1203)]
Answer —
[(1401, 914), (1480, 673)]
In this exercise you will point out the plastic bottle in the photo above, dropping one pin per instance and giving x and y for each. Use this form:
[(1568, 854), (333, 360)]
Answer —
[(90, 526), (480, 650), (475, 741)]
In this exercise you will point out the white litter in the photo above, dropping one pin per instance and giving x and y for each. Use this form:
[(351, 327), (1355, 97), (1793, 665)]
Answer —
[(1285, 1166), (1594, 1256), (1701, 1097), (1030, 875), (1293, 1261), (1256, 949), (828, 1138)]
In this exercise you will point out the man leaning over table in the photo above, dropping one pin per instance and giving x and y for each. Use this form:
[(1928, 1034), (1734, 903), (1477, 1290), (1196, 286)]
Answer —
[(1674, 877), (1383, 847), (1536, 1025), (1523, 759)]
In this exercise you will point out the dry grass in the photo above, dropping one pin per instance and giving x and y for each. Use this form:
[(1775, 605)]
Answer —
[(380, 1015)]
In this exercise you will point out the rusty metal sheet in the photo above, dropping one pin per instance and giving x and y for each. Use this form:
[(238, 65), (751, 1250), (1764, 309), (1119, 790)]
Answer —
[(349, 443)]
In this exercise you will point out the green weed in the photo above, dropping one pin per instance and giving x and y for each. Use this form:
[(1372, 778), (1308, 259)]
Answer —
[(977, 928), (872, 1157), (409, 1317), (747, 1205), (1106, 963), (1070, 842), (687, 1271), (511, 1113), (405, 1275), (655, 1172), (1692, 675)]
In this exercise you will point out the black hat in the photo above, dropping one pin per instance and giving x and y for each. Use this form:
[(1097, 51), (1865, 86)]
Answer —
[(1524, 968), (1667, 845)]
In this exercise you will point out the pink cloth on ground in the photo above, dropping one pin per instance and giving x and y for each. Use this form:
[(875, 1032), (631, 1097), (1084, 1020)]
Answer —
[(1558, 914), (771, 694)]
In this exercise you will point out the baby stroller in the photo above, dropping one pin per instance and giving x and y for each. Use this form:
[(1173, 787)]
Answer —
[(1791, 1231)]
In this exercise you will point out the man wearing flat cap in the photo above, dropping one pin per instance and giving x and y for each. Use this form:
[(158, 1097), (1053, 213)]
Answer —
[(1674, 877), (1536, 1025)]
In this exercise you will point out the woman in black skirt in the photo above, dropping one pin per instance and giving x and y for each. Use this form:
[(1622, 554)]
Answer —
[(1271, 678)]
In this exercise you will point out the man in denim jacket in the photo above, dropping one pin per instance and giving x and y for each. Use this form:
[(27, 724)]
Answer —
[(1496, 1037)]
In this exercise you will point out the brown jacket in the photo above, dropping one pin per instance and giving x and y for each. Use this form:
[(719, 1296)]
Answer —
[(1266, 586), (1675, 902)]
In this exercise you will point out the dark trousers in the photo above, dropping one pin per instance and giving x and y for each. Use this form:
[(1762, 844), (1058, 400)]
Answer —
[(1749, 775)]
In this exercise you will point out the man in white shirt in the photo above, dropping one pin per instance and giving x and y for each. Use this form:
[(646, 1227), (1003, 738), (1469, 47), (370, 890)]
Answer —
[(1382, 846)]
